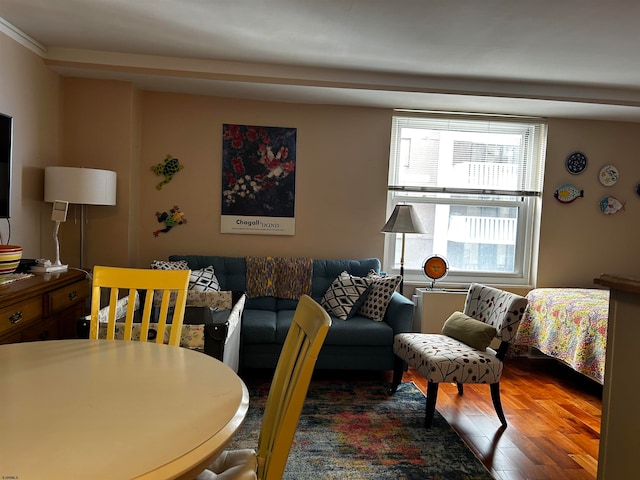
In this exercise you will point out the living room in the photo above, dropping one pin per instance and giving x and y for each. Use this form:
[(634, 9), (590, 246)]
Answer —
[(341, 178)]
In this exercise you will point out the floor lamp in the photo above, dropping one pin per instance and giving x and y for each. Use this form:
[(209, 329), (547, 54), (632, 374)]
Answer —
[(403, 220), (80, 186)]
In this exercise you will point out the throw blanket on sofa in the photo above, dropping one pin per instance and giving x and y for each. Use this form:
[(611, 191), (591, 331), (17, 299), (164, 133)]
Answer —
[(279, 277)]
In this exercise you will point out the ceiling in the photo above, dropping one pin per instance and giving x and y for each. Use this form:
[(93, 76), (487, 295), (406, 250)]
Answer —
[(569, 58)]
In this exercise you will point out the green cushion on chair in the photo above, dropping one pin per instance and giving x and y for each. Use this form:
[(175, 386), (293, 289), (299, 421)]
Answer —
[(468, 330)]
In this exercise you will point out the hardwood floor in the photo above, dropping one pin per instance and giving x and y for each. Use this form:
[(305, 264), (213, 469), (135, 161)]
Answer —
[(553, 417)]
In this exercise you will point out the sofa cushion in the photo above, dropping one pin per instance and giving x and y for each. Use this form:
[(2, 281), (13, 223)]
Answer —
[(357, 331), (262, 303), (230, 271), (258, 326), (283, 322), (360, 331), (326, 271), (343, 298), (377, 300), (286, 304)]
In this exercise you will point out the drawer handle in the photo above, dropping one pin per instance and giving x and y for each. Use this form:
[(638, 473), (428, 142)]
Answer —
[(15, 317), (73, 295)]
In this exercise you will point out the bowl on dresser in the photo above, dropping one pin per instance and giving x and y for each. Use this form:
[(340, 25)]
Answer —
[(10, 256)]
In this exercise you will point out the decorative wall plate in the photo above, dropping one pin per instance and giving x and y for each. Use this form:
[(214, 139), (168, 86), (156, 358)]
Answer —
[(435, 267), (567, 193), (611, 205), (608, 175), (576, 163)]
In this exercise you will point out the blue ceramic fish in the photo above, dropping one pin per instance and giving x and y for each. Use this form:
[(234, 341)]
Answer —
[(610, 205), (568, 193)]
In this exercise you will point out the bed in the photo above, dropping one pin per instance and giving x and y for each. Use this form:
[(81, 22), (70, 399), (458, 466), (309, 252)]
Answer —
[(567, 324)]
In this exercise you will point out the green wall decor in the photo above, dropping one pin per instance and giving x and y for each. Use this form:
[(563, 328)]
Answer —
[(167, 169), (170, 219)]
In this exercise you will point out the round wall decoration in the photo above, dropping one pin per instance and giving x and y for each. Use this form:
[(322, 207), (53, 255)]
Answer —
[(576, 163), (435, 267), (608, 175)]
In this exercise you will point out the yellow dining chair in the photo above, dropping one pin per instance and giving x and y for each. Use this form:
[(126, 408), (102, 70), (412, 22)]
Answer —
[(284, 403), (132, 280)]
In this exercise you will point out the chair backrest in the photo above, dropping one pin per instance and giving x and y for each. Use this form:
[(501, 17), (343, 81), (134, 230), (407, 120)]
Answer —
[(132, 280), (496, 307), (289, 386)]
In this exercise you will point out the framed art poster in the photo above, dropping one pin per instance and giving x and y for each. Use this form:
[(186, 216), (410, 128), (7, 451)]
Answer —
[(258, 180)]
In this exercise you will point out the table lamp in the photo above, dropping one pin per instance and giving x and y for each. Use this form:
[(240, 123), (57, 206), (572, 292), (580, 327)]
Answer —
[(80, 186), (403, 220)]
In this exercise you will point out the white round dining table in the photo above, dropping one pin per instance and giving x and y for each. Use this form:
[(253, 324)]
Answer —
[(113, 409)]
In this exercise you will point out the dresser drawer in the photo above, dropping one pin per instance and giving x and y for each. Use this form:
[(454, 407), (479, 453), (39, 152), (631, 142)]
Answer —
[(66, 297), (20, 313)]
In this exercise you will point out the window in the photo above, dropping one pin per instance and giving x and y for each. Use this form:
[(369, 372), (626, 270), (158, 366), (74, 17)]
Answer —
[(475, 183)]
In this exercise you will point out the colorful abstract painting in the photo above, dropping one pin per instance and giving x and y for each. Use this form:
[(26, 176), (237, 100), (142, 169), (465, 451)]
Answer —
[(258, 179)]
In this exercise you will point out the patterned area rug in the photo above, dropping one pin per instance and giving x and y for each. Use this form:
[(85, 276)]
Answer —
[(356, 430)]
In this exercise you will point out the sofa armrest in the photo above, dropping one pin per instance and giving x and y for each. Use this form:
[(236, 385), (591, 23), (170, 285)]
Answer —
[(400, 313)]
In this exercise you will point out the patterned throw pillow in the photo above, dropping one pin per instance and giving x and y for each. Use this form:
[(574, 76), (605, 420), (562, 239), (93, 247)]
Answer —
[(204, 280), (163, 265), (192, 335), (345, 294), (214, 300), (377, 300)]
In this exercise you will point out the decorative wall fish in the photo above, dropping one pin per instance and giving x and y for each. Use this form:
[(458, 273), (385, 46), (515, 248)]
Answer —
[(610, 205), (567, 193)]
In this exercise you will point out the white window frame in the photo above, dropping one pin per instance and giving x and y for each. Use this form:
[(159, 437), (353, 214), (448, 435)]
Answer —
[(526, 198)]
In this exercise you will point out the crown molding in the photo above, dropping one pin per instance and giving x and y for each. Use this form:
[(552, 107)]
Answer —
[(22, 38)]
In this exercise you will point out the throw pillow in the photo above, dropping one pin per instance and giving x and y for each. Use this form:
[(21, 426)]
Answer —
[(192, 335), (162, 265), (468, 330), (204, 280), (345, 294), (377, 300), (214, 300)]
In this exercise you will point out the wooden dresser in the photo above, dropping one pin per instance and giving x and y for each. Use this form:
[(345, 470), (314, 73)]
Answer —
[(42, 307)]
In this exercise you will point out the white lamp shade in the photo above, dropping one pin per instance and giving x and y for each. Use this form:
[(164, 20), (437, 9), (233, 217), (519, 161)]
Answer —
[(403, 219), (83, 186)]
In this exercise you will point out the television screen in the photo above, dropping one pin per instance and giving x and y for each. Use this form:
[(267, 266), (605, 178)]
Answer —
[(6, 124)]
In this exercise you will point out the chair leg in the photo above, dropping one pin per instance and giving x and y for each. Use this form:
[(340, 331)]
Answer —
[(460, 388), (432, 396), (398, 369), (497, 404)]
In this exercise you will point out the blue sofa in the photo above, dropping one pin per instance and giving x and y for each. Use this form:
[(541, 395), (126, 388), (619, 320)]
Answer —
[(355, 344)]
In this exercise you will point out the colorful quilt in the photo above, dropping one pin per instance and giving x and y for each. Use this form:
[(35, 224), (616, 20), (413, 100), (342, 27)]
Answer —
[(568, 324), (279, 277)]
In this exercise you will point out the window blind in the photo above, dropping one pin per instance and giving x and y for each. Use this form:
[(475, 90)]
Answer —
[(458, 154)]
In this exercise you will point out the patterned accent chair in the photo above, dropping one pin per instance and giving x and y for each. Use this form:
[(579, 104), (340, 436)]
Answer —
[(441, 358)]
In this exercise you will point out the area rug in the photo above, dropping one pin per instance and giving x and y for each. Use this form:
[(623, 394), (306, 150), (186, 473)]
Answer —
[(356, 430)]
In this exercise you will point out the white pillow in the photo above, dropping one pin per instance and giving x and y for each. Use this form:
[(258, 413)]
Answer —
[(204, 280)]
